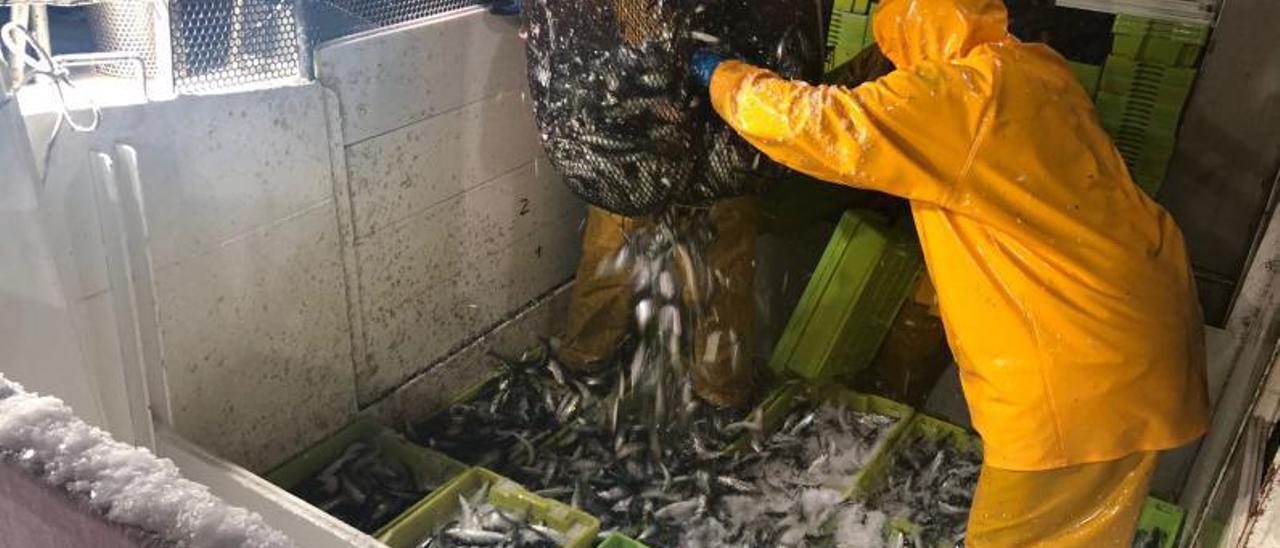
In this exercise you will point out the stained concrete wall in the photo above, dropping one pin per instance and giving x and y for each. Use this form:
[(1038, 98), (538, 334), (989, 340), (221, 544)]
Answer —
[(322, 248), (1224, 169), (439, 140)]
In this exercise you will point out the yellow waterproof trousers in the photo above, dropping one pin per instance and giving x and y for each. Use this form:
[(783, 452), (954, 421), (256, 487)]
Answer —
[(600, 304), (1089, 505)]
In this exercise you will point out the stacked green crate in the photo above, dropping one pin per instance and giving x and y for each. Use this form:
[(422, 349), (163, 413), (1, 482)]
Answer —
[(1166, 43), (1088, 76), (850, 303), (870, 37), (1159, 524), (847, 32), (1144, 85)]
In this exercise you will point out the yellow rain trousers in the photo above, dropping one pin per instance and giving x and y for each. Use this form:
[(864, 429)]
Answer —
[(1065, 291), (600, 306), (1086, 506)]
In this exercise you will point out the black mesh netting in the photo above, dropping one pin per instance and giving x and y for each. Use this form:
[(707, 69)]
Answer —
[(620, 115)]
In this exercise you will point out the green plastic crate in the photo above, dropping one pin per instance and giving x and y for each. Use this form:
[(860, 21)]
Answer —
[(1159, 42), (780, 405), (1088, 76), (430, 467), (1149, 181), (619, 540), (851, 6), (846, 310), (870, 37), (1164, 516), (1160, 51), (1147, 156), (845, 37), (1118, 111), (427, 516), (1166, 86), (1133, 25), (1148, 153), (1145, 153), (924, 426), (921, 425)]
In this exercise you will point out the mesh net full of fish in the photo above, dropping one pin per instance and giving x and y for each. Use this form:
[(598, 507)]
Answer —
[(620, 115)]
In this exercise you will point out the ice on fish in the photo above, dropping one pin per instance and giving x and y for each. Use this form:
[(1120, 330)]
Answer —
[(696, 494), (858, 527)]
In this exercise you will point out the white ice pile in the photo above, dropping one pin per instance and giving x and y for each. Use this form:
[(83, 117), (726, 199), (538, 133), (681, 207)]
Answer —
[(800, 480), (128, 485)]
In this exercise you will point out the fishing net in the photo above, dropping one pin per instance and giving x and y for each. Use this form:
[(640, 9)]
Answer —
[(620, 115)]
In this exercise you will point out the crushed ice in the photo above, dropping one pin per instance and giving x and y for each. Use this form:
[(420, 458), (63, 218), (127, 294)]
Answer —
[(128, 485)]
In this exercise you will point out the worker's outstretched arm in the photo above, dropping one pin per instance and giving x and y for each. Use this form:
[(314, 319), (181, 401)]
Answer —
[(908, 133)]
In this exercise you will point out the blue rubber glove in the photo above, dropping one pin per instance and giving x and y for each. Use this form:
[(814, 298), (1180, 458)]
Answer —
[(505, 7), (704, 65)]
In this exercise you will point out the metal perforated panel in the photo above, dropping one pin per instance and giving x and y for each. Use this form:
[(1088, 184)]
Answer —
[(215, 43), (218, 44), (389, 12), (112, 33), (224, 43)]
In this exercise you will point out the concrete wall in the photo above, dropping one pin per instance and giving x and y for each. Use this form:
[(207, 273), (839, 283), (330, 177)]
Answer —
[(439, 140), (1224, 169), (310, 250)]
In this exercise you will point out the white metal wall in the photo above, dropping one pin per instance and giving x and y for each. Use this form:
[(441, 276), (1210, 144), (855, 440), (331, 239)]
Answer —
[(37, 325), (247, 266)]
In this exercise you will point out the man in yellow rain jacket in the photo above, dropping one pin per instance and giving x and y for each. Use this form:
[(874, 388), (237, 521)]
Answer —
[(1066, 292)]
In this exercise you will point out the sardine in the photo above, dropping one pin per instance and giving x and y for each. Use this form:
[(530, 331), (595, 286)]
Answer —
[(678, 510), (476, 536)]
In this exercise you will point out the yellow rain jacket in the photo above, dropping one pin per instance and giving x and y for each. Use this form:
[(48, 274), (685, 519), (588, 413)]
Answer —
[(1065, 291)]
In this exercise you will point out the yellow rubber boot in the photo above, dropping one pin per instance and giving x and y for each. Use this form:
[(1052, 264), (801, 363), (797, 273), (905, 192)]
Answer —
[(723, 357), (600, 302), (1086, 506)]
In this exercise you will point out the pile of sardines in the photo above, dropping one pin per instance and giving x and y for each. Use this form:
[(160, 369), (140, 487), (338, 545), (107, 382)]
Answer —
[(479, 523), (363, 487), (501, 427), (931, 484), (728, 482)]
